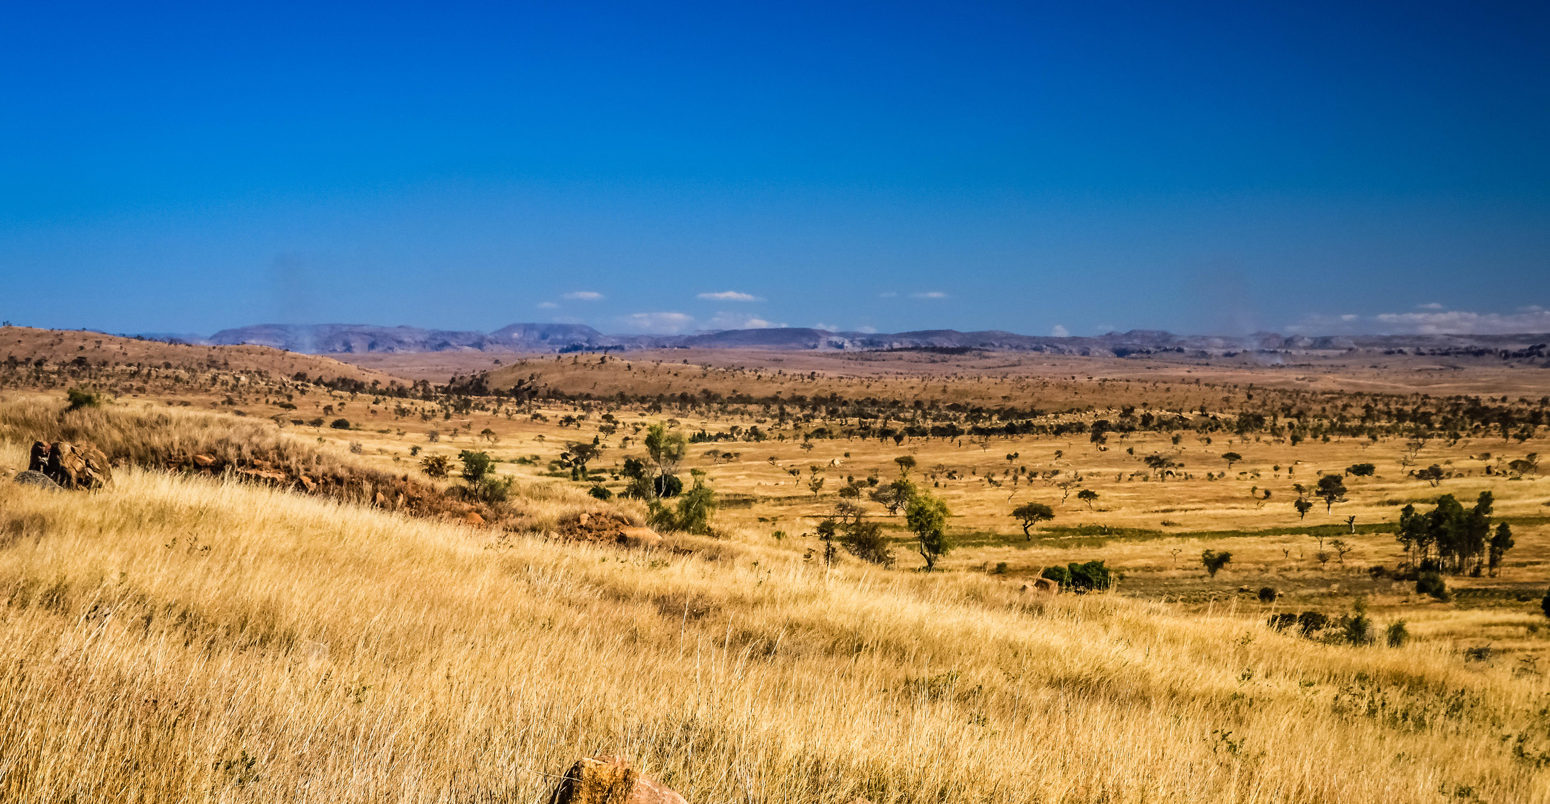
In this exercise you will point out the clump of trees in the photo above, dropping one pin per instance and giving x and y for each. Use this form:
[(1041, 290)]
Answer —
[(1454, 539)]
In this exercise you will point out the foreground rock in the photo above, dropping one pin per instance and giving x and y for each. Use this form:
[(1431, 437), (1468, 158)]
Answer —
[(72, 466), (32, 478), (610, 780)]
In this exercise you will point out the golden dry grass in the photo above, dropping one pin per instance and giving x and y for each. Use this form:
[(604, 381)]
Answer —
[(183, 639)]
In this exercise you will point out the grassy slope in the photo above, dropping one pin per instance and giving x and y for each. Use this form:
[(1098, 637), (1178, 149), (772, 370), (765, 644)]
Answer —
[(184, 639)]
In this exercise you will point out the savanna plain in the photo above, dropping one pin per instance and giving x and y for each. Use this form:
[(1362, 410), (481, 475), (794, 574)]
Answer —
[(915, 576)]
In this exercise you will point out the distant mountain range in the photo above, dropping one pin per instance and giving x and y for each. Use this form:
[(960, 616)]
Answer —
[(328, 339)]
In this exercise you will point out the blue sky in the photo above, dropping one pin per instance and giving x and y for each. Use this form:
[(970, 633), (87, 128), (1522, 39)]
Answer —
[(1066, 167)]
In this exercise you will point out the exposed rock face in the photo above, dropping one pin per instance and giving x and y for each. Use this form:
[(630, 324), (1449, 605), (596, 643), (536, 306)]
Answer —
[(72, 466), (610, 780), (32, 478)]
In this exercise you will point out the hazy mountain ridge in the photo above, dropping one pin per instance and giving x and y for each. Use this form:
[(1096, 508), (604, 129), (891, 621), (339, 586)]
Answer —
[(535, 337)]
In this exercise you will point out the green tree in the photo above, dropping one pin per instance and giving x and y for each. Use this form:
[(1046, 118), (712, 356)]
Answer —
[(1231, 458), (1331, 489), (1030, 514), (1303, 506), (476, 466), (665, 448), (1087, 496), (927, 519)]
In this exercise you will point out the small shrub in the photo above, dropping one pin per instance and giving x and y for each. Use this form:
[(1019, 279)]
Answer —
[(1478, 653), (1431, 583), (1059, 575), (1283, 620), (1357, 628), (340, 424), (491, 489), (1267, 594), (1397, 634), (600, 492)]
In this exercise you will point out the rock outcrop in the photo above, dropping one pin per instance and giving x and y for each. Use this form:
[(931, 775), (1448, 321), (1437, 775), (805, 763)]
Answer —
[(72, 466), (610, 780)]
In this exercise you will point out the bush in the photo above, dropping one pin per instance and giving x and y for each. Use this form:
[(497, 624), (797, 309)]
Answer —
[(82, 398), (1361, 470), (436, 465), (1310, 622), (1059, 575), (340, 424), (865, 541), (1431, 583), (1267, 594), (1397, 634), (1544, 603), (600, 492)]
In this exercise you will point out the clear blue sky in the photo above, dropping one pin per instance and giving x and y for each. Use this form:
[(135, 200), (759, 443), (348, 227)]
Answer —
[(1023, 166)]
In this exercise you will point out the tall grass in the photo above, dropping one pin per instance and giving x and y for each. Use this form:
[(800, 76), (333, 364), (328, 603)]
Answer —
[(187, 639)]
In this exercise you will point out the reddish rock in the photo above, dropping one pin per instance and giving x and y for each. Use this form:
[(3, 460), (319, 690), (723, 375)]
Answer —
[(610, 780), (72, 466)]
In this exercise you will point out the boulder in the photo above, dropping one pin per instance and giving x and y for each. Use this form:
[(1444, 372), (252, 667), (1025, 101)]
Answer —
[(72, 466), (610, 780), (32, 478)]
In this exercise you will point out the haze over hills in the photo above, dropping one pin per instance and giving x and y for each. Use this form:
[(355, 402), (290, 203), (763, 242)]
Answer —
[(538, 337)]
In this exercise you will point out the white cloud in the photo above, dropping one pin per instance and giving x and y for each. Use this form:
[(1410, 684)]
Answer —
[(826, 327), (547, 305), (867, 329), (929, 294), (659, 323), (583, 295), (739, 321), (887, 294), (729, 295), (1059, 331), (1442, 322), (1429, 306)]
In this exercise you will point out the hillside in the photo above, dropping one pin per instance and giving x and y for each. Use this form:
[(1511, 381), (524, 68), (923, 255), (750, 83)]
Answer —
[(184, 638), (56, 347)]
